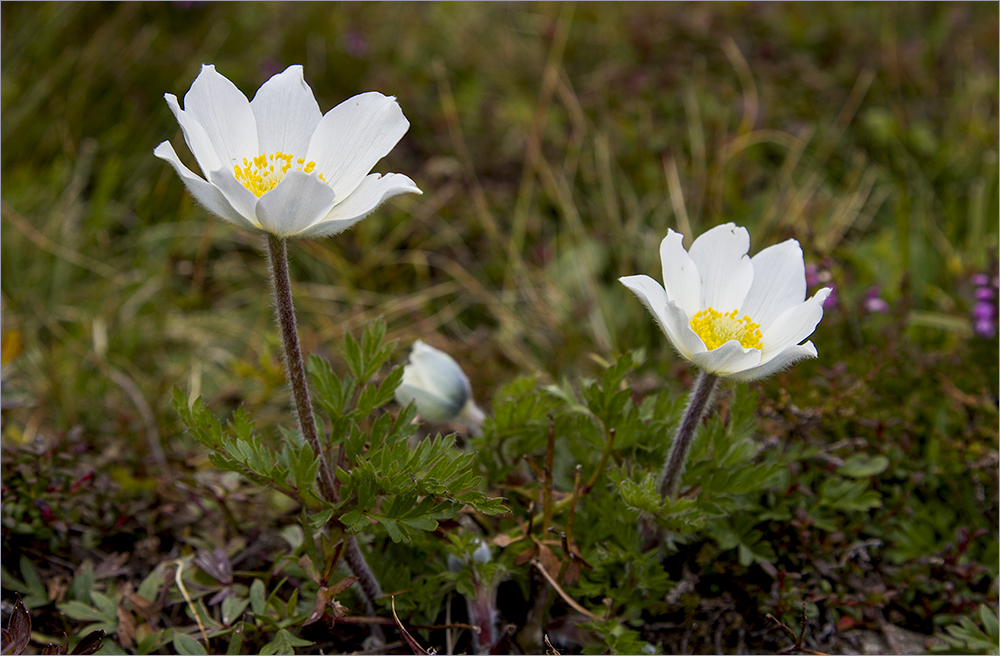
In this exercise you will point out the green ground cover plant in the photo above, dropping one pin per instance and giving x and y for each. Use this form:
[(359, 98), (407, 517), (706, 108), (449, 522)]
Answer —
[(155, 485)]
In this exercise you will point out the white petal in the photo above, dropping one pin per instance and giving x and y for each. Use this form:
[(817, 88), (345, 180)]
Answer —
[(671, 318), (779, 282), (205, 193), (299, 201), (432, 407), (287, 113), (225, 113), (680, 275), (196, 138), (652, 295), (678, 326), (241, 198), (793, 325), (786, 358), (729, 358), (353, 136), (726, 272), (373, 191)]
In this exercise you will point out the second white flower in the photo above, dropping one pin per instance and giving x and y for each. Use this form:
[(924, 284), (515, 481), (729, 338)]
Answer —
[(733, 316)]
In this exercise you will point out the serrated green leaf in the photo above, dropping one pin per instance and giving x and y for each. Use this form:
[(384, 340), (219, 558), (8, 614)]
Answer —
[(354, 519), (352, 356), (320, 519), (392, 528)]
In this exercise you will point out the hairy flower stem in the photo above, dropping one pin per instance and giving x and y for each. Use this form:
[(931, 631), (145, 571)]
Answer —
[(670, 479), (277, 257)]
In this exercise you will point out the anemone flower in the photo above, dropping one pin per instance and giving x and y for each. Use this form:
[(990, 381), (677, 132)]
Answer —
[(733, 316), (275, 165)]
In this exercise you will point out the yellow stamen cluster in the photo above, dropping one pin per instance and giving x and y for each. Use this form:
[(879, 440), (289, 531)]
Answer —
[(260, 176), (716, 328)]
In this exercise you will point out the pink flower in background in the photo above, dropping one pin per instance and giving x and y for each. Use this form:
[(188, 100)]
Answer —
[(984, 312), (874, 303)]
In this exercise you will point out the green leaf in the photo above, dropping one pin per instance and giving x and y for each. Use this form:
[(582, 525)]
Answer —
[(31, 578), (355, 520), (422, 523), (990, 622), (236, 642), (861, 465), (83, 582), (849, 495), (185, 644), (257, 597), (352, 356), (104, 604), (81, 611), (320, 519), (232, 608), (392, 528), (151, 585), (284, 643)]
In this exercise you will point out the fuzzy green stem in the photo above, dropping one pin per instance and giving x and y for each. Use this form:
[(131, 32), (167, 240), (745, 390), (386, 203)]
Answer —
[(670, 479), (277, 256)]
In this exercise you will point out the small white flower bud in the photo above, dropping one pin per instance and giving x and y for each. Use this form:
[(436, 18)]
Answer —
[(482, 554), (441, 390)]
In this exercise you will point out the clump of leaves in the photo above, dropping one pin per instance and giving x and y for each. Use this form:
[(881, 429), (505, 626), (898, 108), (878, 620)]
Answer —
[(17, 635), (385, 485), (967, 637)]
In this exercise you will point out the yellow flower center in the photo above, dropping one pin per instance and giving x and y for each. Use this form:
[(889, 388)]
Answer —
[(261, 176), (716, 328)]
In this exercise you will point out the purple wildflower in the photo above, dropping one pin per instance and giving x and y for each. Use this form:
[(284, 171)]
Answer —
[(984, 312), (354, 44), (980, 280), (874, 303)]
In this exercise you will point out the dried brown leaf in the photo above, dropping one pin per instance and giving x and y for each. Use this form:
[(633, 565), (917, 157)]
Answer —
[(112, 566), (18, 632), (342, 585), (319, 606), (90, 643), (216, 565), (126, 625)]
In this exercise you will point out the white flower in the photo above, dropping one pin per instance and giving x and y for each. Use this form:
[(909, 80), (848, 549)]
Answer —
[(734, 316), (438, 387), (276, 165)]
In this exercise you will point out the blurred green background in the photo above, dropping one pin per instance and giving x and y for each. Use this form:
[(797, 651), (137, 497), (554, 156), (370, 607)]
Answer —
[(555, 144)]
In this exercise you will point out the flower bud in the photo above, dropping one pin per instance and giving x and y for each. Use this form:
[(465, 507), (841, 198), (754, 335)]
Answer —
[(439, 388), (482, 554)]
